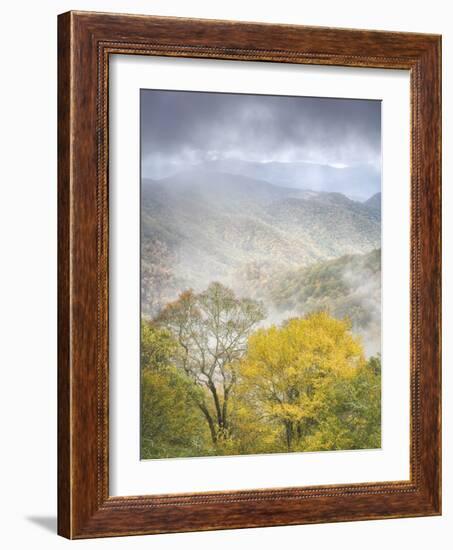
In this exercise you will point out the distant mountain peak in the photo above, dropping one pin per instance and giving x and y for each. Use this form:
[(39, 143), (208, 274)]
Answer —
[(356, 182), (374, 202)]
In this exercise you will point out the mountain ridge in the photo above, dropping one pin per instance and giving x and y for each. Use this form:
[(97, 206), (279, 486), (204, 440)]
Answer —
[(208, 226), (359, 181), (348, 286)]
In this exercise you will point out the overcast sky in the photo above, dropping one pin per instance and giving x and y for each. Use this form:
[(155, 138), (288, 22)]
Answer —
[(179, 129)]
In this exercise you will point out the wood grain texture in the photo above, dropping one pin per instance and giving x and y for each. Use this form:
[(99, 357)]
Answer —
[(64, 367), (86, 40)]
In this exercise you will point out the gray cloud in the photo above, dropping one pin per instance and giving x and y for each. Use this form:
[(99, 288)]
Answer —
[(184, 128)]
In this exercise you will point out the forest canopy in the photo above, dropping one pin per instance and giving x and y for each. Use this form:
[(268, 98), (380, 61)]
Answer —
[(216, 382)]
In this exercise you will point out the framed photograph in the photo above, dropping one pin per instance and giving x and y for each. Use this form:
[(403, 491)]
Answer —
[(249, 275)]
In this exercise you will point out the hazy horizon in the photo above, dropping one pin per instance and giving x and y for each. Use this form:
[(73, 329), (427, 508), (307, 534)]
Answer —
[(323, 144)]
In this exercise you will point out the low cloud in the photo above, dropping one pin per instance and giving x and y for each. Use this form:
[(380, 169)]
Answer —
[(185, 128)]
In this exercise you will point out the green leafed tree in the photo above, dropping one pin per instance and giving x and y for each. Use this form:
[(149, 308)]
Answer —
[(351, 416), (171, 423)]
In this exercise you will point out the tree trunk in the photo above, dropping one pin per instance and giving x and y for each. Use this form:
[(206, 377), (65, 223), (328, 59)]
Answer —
[(288, 434), (210, 421), (218, 408)]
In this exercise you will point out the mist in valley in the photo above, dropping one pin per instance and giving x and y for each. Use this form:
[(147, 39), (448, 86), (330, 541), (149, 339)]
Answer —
[(277, 198)]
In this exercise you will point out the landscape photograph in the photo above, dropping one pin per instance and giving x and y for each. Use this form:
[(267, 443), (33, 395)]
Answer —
[(260, 274)]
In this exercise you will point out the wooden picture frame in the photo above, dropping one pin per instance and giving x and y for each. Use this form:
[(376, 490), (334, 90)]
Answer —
[(85, 42)]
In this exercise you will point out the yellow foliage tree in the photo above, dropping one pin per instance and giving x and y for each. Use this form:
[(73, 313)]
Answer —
[(287, 375)]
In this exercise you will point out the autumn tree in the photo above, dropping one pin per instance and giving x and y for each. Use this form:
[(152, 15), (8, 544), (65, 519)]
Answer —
[(289, 371), (350, 417), (171, 424), (212, 329), (157, 347)]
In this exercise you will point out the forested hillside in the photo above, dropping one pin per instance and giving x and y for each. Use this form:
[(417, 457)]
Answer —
[(199, 226), (349, 286)]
